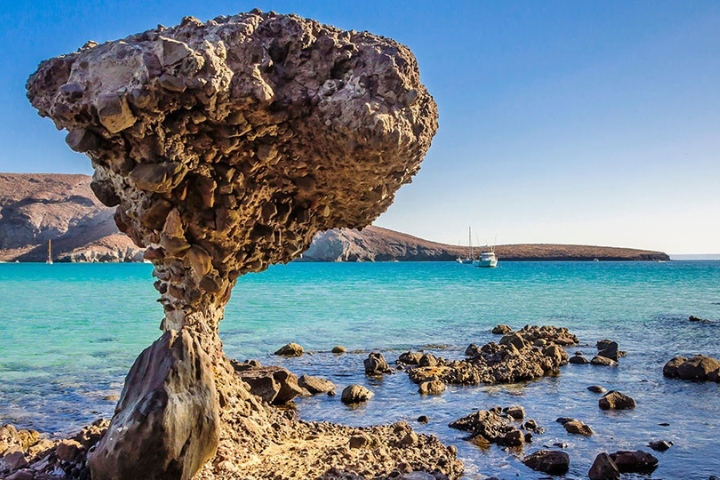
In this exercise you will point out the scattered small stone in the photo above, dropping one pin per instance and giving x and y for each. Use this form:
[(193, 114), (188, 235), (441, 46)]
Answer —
[(355, 394), (548, 461), (660, 445), (339, 349), (560, 445), (597, 389), (290, 350), (614, 400), (423, 419)]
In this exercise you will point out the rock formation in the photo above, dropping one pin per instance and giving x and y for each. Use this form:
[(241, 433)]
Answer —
[(36, 208), (226, 146)]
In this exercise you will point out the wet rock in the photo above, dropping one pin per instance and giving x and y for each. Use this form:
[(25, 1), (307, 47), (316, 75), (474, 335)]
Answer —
[(428, 360), (290, 350), (355, 394), (576, 427), (604, 361), (603, 468), (670, 369), (275, 385), (609, 350), (634, 462), (697, 368), (491, 427), (410, 358), (431, 387), (339, 349), (693, 318), (501, 329), (597, 389), (578, 359), (423, 419), (516, 411), (68, 450), (375, 364), (316, 385), (660, 445), (548, 461), (614, 400)]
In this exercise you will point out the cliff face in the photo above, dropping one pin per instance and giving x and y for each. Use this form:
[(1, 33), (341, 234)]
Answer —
[(375, 244), (36, 208)]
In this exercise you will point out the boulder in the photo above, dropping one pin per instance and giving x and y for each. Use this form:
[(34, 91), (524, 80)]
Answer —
[(603, 468), (576, 427), (634, 462), (166, 423), (355, 394), (698, 368), (339, 349), (316, 385), (13, 461), (515, 411), (375, 364), (431, 387), (578, 359), (548, 461), (68, 450), (290, 350), (610, 350), (409, 358), (275, 385), (604, 361), (501, 329), (670, 369), (614, 400)]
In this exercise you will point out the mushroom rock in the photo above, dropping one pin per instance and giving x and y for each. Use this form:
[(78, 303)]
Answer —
[(226, 146)]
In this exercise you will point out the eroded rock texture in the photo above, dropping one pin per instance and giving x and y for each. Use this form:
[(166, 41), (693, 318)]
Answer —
[(226, 146)]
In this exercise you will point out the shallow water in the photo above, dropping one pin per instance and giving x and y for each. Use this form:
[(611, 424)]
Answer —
[(69, 333)]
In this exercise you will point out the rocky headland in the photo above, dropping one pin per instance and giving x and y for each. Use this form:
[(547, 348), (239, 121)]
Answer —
[(36, 208), (226, 146)]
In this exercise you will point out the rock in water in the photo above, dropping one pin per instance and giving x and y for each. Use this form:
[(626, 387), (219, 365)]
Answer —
[(167, 417), (614, 400), (548, 461), (603, 468), (226, 146)]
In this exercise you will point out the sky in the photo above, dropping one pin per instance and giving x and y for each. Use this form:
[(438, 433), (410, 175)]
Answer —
[(575, 122)]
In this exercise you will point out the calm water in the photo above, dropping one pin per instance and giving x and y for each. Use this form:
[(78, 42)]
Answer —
[(69, 333)]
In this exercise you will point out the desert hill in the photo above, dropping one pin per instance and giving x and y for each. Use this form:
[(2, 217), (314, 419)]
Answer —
[(380, 244), (35, 208)]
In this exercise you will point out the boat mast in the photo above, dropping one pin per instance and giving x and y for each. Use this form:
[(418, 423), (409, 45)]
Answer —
[(470, 241), (49, 258)]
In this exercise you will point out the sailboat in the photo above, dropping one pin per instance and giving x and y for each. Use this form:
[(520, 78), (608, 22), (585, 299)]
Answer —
[(469, 259), (49, 257)]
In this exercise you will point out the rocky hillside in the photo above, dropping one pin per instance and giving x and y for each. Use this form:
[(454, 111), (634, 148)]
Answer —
[(375, 244), (36, 208)]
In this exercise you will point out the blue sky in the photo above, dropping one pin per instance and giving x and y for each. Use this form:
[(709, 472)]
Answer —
[(560, 122)]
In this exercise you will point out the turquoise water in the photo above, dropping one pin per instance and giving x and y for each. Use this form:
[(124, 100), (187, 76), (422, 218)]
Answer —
[(69, 333)]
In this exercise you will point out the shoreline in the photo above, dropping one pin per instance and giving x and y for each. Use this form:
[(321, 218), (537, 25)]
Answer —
[(297, 431)]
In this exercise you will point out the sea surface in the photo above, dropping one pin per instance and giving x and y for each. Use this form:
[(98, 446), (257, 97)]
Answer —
[(70, 332)]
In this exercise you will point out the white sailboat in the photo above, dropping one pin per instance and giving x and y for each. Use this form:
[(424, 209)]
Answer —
[(469, 259)]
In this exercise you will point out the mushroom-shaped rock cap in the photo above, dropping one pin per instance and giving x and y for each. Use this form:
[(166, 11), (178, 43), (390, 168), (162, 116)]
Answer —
[(230, 143)]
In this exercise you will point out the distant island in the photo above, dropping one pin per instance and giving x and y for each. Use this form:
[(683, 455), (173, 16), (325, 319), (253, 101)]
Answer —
[(37, 208)]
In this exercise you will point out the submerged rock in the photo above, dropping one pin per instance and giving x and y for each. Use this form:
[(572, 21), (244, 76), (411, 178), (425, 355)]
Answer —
[(548, 461)]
